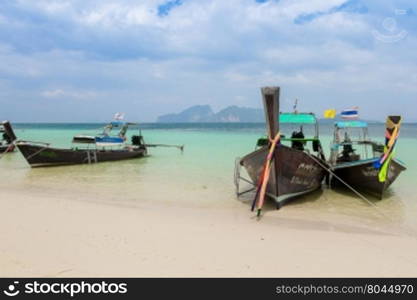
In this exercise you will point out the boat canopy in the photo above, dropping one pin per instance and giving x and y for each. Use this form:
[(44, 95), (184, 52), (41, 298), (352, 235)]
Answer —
[(351, 124), (303, 118), (109, 140)]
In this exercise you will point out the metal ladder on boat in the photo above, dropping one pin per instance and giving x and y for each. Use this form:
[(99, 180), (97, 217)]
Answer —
[(91, 156)]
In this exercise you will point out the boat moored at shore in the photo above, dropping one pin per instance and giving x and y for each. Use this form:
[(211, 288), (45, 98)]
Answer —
[(283, 167), (89, 149), (361, 163)]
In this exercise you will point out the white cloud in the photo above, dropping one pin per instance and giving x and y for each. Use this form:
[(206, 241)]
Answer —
[(68, 94), (53, 93), (115, 14), (121, 53)]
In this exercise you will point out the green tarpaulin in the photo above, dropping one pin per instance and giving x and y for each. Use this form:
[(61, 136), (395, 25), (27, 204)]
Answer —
[(347, 124), (297, 118)]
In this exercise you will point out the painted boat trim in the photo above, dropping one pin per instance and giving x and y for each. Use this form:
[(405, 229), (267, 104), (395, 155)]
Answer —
[(354, 163), (283, 198)]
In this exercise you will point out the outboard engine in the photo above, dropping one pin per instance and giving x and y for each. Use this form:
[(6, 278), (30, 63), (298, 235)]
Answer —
[(137, 140), (297, 144)]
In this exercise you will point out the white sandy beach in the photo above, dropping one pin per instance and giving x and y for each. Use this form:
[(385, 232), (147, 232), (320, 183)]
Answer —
[(63, 237)]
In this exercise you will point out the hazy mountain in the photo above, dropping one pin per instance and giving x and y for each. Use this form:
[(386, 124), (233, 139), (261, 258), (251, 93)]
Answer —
[(231, 114), (198, 113), (204, 113), (239, 114)]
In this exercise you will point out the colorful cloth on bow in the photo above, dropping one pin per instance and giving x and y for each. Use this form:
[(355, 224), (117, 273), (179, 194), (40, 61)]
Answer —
[(392, 133), (383, 172)]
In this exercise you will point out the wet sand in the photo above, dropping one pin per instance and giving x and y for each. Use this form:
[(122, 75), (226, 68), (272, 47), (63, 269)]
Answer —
[(65, 237)]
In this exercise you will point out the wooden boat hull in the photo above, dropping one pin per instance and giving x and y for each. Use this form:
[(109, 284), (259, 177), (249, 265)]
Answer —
[(43, 156), (363, 176), (297, 172)]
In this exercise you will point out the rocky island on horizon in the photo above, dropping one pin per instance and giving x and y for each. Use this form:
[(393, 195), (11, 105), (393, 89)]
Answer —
[(205, 114), (230, 114)]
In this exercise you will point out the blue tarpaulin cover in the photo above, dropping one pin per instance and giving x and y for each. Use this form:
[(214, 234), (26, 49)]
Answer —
[(297, 118), (349, 124)]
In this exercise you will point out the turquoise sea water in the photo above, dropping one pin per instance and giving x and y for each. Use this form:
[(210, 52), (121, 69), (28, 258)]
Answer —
[(201, 176)]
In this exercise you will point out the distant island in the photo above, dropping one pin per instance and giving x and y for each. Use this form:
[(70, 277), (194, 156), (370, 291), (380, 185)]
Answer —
[(205, 114), (230, 114)]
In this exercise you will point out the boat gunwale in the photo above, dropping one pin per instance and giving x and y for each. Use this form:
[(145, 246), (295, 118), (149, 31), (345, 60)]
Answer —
[(127, 147), (343, 165)]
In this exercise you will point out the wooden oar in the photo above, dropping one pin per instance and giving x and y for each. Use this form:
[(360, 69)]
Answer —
[(267, 172), (181, 147)]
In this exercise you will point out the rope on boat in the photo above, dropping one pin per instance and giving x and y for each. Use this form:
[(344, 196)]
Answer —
[(349, 186), (8, 149), (37, 152)]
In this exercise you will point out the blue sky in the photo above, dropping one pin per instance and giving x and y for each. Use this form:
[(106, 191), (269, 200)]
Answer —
[(84, 60)]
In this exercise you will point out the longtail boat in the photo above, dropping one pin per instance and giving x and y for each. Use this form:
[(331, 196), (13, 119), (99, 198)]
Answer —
[(7, 137), (90, 149), (363, 164), (282, 167)]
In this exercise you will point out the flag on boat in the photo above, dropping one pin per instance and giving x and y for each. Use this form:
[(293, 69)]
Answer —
[(295, 105), (330, 114), (119, 116), (350, 114)]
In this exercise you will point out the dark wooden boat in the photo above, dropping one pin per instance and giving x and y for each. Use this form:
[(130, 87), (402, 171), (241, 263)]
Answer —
[(357, 162), (295, 170), (41, 155), (6, 148), (7, 137), (91, 151)]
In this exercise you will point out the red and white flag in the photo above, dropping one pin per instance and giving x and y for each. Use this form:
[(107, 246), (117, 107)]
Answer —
[(351, 113)]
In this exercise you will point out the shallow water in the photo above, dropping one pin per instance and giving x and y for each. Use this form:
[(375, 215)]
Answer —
[(201, 176)]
